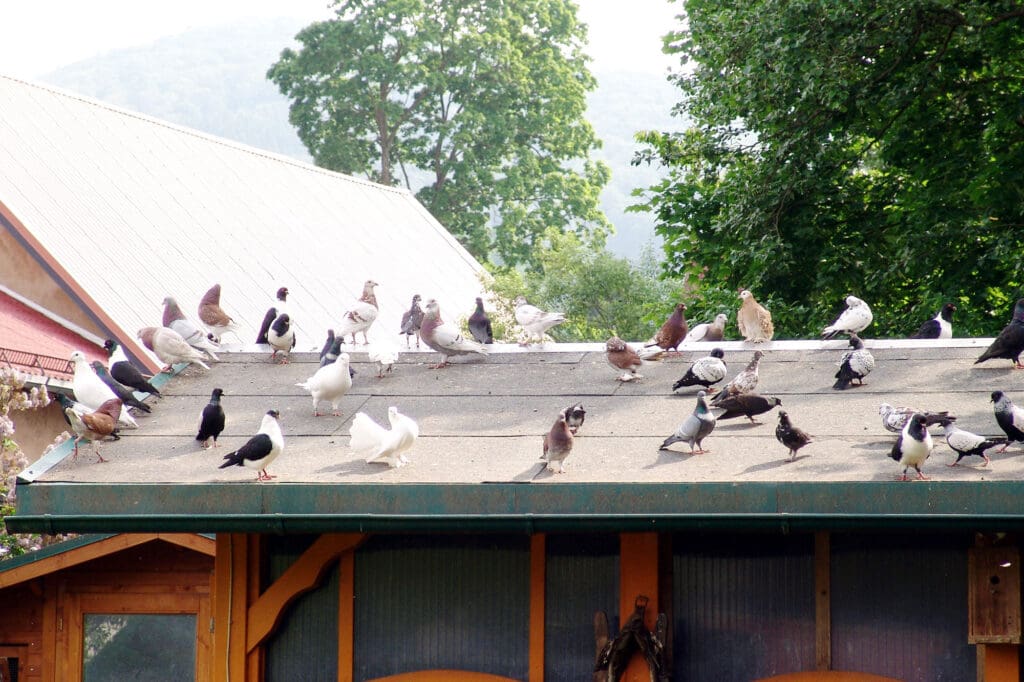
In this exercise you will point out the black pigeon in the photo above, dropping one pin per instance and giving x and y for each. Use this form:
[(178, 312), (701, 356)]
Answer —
[(704, 371), (939, 327), (120, 390), (212, 422), (268, 320), (479, 324), (260, 450), (913, 446), (328, 345), (1009, 417), (790, 436), (746, 405), (411, 321), (574, 416), (967, 444), (855, 364), (1010, 342), (124, 371)]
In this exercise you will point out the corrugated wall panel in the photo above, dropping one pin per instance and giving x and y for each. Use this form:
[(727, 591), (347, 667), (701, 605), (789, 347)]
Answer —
[(456, 602), (743, 606), (582, 578), (899, 607)]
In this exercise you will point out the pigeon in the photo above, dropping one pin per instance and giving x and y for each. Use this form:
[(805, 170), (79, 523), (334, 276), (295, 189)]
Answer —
[(744, 382), (124, 372), (378, 445), (574, 416), (213, 316), (260, 450), (557, 445), (170, 348), (895, 418), (753, 319), (445, 338), (855, 364), (90, 390), (913, 446), (621, 356), (1010, 342), (1009, 417), (790, 436), (328, 348), (411, 321), (673, 330), (331, 383), (193, 335), (535, 321), (360, 315), (211, 424), (694, 428), (480, 324), (939, 327), (966, 443), (279, 334), (704, 371), (280, 307), (120, 390), (385, 354), (94, 426), (854, 319), (746, 405), (714, 331), (634, 638)]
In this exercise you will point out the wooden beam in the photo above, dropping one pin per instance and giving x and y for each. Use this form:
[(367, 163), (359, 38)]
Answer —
[(638, 574), (822, 601), (538, 564), (73, 557), (305, 574), (998, 663), (230, 608), (346, 616), (254, 657), (193, 541)]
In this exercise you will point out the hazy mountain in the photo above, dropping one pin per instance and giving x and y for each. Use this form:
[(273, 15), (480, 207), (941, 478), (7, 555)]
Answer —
[(214, 80)]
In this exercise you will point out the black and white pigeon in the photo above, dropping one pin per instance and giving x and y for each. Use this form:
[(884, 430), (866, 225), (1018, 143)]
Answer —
[(792, 437), (967, 444), (704, 371), (126, 394), (574, 417), (278, 333), (939, 327), (744, 382), (913, 446), (1009, 417), (695, 428), (854, 365), (124, 372), (261, 450), (854, 319), (411, 321), (708, 331), (1010, 342), (280, 307), (746, 405), (895, 418), (480, 324), (211, 423)]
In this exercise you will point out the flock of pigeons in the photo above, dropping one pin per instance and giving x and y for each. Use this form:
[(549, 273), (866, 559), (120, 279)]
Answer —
[(103, 394)]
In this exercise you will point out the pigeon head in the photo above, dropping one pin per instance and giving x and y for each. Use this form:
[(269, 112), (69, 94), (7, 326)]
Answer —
[(274, 413), (110, 346), (772, 400), (1018, 311), (855, 341), (783, 417), (997, 396), (432, 309), (519, 300), (758, 354), (77, 356), (853, 301), (282, 294), (745, 294), (947, 311), (917, 424), (615, 344), (171, 311), (98, 367), (146, 336), (217, 392), (680, 307), (212, 296), (886, 408), (717, 353)]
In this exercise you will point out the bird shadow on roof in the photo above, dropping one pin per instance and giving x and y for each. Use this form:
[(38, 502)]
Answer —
[(671, 457), (774, 464), (354, 467)]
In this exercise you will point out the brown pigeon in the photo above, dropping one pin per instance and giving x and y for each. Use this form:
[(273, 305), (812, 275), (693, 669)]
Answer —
[(213, 316), (94, 426), (790, 436), (622, 357), (445, 338), (673, 331), (753, 320), (557, 445)]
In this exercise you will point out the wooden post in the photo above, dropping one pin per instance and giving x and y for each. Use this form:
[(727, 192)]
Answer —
[(998, 663), (346, 616), (538, 563), (638, 574), (231, 582), (822, 601)]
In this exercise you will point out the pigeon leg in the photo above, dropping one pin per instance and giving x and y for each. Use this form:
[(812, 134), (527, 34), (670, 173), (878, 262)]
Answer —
[(74, 457), (954, 463), (920, 476), (987, 460), (1005, 445), (336, 413), (752, 420), (100, 459), (417, 339)]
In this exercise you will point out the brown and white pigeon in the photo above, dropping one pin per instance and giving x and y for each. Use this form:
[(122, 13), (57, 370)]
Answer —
[(913, 446), (1009, 417), (854, 319), (753, 319), (791, 436), (1010, 342), (535, 321), (360, 315), (622, 357), (558, 444), (378, 445), (744, 382), (705, 371), (746, 405), (673, 330), (261, 450), (939, 327), (854, 365), (189, 330), (170, 348), (895, 418), (213, 316), (695, 428), (411, 321), (705, 331), (966, 444), (480, 324), (94, 426), (445, 338)]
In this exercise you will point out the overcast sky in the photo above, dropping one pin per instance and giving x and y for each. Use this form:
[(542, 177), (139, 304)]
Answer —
[(38, 37)]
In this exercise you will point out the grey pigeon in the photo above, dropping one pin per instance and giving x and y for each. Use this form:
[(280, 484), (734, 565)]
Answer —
[(854, 365), (124, 372), (714, 331), (574, 417), (557, 445), (120, 390), (744, 382), (790, 436), (895, 418), (746, 405), (704, 371), (326, 349), (445, 338), (168, 345), (480, 324), (1010, 342), (411, 321), (965, 443), (694, 428), (212, 420), (1009, 417), (939, 327), (855, 318), (260, 450), (913, 446), (194, 336)]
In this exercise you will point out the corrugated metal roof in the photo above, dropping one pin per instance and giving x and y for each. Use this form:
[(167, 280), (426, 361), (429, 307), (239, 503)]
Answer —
[(136, 209)]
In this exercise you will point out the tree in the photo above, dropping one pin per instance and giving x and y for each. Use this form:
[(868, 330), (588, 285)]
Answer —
[(873, 148), (481, 103)]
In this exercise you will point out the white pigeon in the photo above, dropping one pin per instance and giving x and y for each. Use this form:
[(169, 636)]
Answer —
[(331, 382), (377, 444), (92, 392), (853, 320), (535, 321), (169, 347), (360, 314), (385, 354), (189, 330), (714, 331)]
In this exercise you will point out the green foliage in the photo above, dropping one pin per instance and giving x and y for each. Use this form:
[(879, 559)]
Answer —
[(600, 294), (868, 148), (486, 99)]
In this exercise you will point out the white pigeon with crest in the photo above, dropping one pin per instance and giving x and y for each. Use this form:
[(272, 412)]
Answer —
[(853, 320), (189, 330), (535, 321), (360, 314), (90, 390), (331, 382), (376, 444)]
